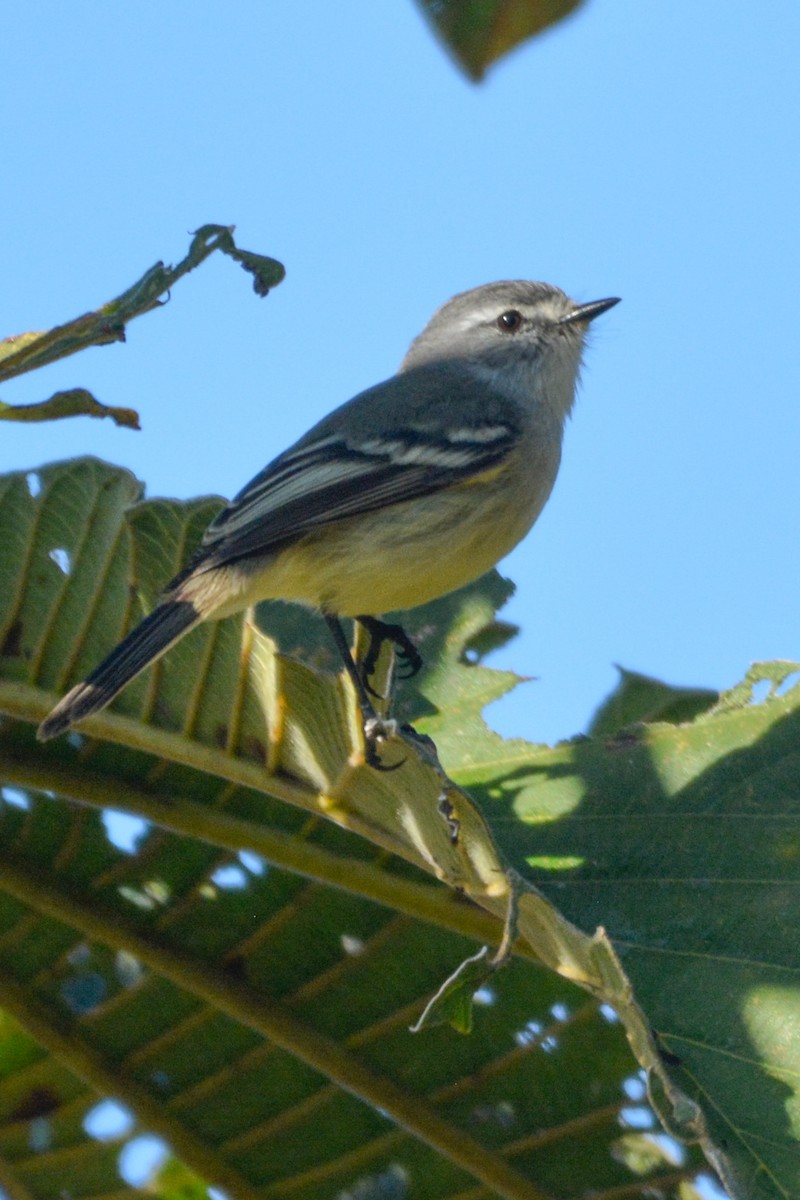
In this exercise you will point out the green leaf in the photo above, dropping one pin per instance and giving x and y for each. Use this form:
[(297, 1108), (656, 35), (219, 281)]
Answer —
[(453, 1003), (243, 979), (478, 32), (639, 698), (684, 842)]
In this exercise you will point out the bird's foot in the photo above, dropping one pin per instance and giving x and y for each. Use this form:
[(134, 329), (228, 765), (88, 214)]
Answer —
[(380, 632), (379, 729)]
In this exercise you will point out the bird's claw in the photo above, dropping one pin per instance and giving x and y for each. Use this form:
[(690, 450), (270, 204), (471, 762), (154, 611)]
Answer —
[(378, 729), (380, 632)]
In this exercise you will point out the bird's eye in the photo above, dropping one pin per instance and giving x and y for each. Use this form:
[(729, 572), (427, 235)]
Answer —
[(509, 322)]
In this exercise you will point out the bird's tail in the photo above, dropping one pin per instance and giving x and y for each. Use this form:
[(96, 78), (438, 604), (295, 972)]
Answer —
[(168, 622)]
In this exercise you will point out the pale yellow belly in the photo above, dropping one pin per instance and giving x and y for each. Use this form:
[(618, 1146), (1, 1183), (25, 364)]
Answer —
[(396, 558)]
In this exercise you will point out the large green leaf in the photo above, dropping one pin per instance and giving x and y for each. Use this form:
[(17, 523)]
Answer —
[(681, 840), (254, 1011), (684, 842)]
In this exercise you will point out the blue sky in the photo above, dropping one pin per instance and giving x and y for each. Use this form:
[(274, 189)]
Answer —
[(642, 150)]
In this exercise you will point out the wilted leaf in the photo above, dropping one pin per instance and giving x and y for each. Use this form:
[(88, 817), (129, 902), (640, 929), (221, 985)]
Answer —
[(27, 351), (75, 403), (453, 1003)]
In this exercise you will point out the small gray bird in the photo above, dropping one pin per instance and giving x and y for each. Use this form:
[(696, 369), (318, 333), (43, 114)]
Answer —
[(405, 493)]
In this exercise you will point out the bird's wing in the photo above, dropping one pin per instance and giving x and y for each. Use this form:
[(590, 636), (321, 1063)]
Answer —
[(333, 475)]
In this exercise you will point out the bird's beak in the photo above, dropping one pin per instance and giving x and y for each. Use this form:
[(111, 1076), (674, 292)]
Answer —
[(588, 312)]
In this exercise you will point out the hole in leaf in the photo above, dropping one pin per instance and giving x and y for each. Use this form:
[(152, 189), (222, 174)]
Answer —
[(528, 1034), (141, 1158), (124, 830), (108, 1120), (635, 1087), (61, 558), (761, 689), (674, 1152), (230, 878), (256, 865), (636, 1117), (708, 1187), (15, 798), (608, 1014), (34, 483), (83, 993), (351, 944), (788, 683)]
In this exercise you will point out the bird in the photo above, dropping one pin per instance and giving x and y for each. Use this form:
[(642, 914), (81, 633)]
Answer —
[(410, 490)]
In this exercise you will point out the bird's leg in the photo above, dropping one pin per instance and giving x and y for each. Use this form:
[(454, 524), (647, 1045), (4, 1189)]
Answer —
[(374, 726), (380, 632)]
